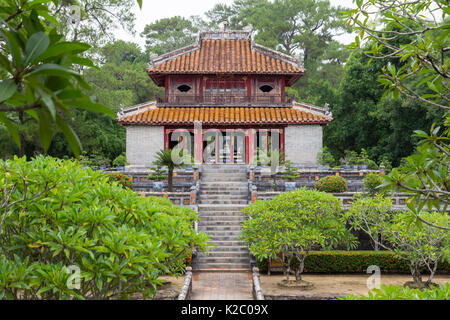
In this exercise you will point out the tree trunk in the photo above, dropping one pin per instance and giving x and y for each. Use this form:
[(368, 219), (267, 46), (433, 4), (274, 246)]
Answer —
[(274, 182), (415, 271), (430, 278), (287, 266), (170, 181), (301, 267)]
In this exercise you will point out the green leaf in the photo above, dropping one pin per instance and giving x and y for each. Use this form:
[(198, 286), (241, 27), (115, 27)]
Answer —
[(84, 62), (70, 135), (91, 106), (13, 45), (37, 44), (48, 101), (62, 48), (7, 89), (11, 128), (45, 130), (53, 70), (48, 17), (5, 64)]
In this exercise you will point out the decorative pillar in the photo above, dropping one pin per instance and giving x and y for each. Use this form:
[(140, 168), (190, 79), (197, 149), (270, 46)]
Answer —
[(196, 173), (253, 190), (251, 144), (252, 173), (198, 143)]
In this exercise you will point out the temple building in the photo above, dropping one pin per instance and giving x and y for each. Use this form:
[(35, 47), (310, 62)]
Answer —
[(225, 101)]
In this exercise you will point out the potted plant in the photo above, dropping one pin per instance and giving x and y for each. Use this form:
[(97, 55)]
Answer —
[(164, 159), (326, 159), (120, 162), (349, 160), (363, 159), (290, 173), (157, 176)]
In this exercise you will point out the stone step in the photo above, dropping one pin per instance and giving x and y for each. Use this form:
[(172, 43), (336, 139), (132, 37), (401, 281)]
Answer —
[(233, 170), (219, 223), (224, 192), (225, 254), (234, 248), (221, 207), (228, 243), (223, 237), (221, 219), (209, 228), (221, 213), (214, 267), (220, 233), (220, 193), (225, 183), (224, 176), (221, 180), (222, 196), (223, 202), (223, 189), (225, 214), (218, 211), (200, 260), (225, 171)]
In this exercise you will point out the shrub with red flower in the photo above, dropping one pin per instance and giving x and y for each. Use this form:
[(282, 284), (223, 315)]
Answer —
[(123, 180), (332, 184)]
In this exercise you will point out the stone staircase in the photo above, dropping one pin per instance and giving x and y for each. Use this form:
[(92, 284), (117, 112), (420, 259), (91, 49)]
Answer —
[(223, 194)]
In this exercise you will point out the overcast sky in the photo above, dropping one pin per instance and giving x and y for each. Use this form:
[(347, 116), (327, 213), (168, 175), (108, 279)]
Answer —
[(154, 10)]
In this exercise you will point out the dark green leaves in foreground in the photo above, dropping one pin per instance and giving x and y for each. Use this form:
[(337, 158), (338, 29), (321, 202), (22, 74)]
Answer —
[(40, 73)]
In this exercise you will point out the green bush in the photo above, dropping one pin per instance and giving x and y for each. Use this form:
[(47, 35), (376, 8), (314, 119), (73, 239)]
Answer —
[(325, 157), (120, 161), (420, 244), (354, 262), (371, 183), (158, 174), (332, 184), (400, 293), (123, 180), (290, 173), (60, 215), (292, 224)]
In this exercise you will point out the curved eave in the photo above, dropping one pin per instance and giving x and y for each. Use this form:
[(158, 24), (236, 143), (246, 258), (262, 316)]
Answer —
[(223, 123)]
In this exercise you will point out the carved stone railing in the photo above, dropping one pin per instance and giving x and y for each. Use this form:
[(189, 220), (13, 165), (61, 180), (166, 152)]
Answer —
[(187, 285), (256, 288)]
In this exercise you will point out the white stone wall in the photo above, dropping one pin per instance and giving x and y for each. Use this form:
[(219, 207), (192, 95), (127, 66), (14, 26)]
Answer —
[(143, 142), (303, 143)]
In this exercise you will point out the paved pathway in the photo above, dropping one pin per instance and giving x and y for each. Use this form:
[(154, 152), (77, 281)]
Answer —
[(222, 286)]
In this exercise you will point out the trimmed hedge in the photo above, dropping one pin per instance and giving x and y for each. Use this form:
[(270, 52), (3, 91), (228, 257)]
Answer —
[(354, 262), (331, 184)]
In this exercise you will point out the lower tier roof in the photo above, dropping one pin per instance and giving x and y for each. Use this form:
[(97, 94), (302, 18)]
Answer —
[(150, 114)]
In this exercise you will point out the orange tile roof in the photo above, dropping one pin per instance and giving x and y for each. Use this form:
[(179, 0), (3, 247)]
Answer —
[(226, 56), (153, 115)]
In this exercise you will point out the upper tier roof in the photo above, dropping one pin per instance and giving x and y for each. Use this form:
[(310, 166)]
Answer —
[(225, 52)]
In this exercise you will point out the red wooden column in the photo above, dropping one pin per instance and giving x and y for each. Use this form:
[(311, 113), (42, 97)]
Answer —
[(251, 144), (198, 143)]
